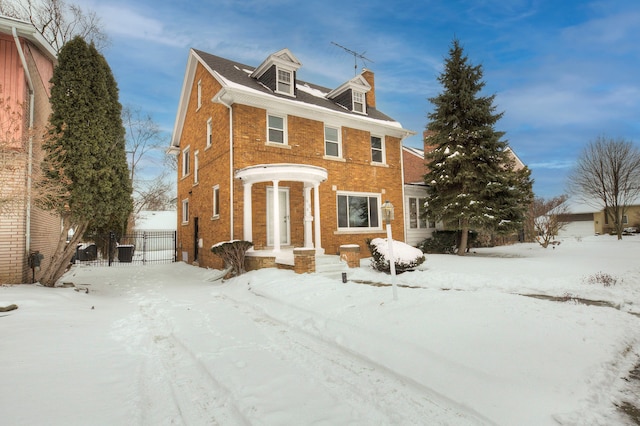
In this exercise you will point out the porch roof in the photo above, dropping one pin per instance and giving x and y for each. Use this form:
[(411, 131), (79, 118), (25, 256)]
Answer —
[(282, 172)]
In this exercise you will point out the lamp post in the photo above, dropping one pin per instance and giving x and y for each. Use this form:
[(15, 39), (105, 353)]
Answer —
[(387, 215)]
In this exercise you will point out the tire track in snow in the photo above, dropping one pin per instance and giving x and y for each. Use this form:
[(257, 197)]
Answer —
[(379, 394), (174, 385)]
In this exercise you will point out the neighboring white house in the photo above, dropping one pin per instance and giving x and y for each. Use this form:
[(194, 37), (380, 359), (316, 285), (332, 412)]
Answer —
[(156, 221), (155, 230)]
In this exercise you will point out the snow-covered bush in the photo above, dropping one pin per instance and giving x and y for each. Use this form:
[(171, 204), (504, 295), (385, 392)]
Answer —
[(233, 254), (406, 257)]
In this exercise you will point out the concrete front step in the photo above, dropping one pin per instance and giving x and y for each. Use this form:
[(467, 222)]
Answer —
[(330, 264)]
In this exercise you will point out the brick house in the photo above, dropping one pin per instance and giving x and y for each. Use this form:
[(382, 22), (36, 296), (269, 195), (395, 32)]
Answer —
[(26, 66), (268, 158)]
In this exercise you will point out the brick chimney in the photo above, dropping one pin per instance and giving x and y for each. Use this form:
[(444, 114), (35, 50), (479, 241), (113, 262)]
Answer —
[(371, 94), (426, 135)]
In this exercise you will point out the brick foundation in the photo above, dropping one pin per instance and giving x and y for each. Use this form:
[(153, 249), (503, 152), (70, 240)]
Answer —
[(350, 253), (304, 260)]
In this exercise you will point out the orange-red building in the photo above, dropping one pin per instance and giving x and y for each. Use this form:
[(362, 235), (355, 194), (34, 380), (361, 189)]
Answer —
[(268, 158), (26, 66)]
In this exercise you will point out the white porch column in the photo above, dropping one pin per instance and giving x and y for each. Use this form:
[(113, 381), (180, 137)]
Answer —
[(308, 218), (316, 218), (276, 217), (247, 216)]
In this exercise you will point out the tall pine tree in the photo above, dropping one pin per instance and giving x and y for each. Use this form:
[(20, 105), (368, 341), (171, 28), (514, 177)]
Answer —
[(85, 154), (471, 177)]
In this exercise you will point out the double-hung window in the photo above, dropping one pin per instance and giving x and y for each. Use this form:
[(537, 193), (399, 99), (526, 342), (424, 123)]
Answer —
[(195, 167), (276, 129), (216, 201), (199, 93), (209, 132), (377, 149), (358, 101), (358, 211), (186, 166), (185, 210), (284, 84), (332, 141), (417, 215)]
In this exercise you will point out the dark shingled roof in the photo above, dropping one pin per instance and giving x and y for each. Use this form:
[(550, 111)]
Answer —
[(237, 73)]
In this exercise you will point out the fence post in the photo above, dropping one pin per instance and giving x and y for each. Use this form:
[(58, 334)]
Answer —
[(112, 239), (144, 247)]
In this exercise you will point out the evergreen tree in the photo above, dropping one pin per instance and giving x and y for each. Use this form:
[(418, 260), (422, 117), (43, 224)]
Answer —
[(471, 177), (85, 154)]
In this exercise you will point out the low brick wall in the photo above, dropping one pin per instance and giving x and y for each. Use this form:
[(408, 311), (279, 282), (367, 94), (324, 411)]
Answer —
[(304, 260), (350, 253), (252, 263)]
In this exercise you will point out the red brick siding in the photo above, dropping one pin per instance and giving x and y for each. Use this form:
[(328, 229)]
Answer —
[(305, 146)]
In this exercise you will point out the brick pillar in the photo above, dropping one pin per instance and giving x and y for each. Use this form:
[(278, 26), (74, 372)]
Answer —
[(350, 253), (304, 260)]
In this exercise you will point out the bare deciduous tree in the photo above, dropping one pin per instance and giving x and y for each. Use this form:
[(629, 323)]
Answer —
[(57, 21), (545, 218), (13, 153), (144, 137), (608, 173)]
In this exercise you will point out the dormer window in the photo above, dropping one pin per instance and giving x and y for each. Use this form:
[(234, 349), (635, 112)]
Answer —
[(278, 72), (351, 94), (358, 101), (284, 82)]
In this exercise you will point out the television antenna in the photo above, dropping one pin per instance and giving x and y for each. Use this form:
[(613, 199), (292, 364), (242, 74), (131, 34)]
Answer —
[(356, 55)]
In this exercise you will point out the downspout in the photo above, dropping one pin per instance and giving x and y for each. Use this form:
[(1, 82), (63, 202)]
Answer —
[(30, 145), (218, 98)]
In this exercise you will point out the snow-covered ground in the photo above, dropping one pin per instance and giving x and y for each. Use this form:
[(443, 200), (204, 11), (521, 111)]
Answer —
[(462, 345)]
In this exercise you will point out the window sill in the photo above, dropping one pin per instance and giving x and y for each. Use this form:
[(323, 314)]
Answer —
[(278, 145), (184, 223), (376, 164), (359, 231), (332, 158), (215, 217)]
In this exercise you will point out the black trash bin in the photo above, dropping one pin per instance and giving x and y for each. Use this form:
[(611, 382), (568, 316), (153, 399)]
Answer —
[(125, 253)]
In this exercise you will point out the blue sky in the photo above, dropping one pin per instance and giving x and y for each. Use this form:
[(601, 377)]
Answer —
[(564, 72)]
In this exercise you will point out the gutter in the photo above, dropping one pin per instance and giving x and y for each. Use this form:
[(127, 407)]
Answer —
[(30, 147), (218, 98)]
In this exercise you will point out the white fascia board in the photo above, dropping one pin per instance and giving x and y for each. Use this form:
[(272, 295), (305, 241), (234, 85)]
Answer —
[(185, 93), (247, 96)]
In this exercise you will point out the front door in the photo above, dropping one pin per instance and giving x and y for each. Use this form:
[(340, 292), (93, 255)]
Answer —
[(285, 231)]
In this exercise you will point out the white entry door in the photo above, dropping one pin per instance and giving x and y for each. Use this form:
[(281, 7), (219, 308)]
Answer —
[(283, 210)]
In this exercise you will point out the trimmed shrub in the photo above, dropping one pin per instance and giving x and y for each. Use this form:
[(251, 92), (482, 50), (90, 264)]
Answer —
[(233, 254), (446, 242), (406, 257)]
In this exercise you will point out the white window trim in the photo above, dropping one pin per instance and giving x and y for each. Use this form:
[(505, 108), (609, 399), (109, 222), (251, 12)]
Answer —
[(185, 211), (339, 141), (285, 136), (195, 166), (382, 148), (419, 209), (363, 101), (199, 94), (215, 210), (209, 132), (186, 166), (291, 81), (359, 229)]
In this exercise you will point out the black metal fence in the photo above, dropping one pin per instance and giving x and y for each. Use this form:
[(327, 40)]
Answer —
[(137, 248)]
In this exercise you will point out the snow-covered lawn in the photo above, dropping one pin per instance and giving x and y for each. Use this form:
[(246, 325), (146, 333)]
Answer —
[(463, 344)]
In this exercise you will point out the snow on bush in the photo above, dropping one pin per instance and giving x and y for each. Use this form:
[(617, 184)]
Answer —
[(406, 257), (233, 254)]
